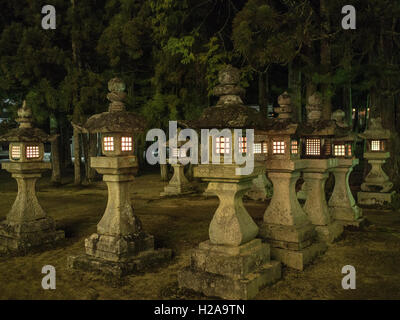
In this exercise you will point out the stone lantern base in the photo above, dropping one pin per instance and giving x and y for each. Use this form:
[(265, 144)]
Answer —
[(234, 272), (375, 198), (27, 235), (119, 256), (179, 184), (27, 224)]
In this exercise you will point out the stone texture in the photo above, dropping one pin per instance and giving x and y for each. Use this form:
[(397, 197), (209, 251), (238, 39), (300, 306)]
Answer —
[(261, 189), (230, 274), (286, 226), (342, 205), (316, 207), (375, 198), (179, 184)]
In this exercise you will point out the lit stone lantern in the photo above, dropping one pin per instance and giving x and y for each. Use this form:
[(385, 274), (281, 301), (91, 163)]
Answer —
[(27, 225), (179, 184), (262, 187), (317, 138), (286, 226), (120, 246), (377, 187), (342, 204), (232, 264)]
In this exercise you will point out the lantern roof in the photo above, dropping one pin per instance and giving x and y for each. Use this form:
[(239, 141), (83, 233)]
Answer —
[(375, 130), (229, 112), (25, 132), (343, 131), (116, 119)]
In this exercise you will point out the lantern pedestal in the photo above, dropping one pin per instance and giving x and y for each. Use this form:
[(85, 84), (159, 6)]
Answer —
[(261, 189), (27, 225), (179, 184), (342, 205), (376, 188), (120, 246), (316, 207), (286, 226), (232, 264), (302, 194)]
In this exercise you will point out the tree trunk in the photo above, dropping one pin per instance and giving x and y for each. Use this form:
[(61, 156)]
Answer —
[(85, 147), (325, 55), (92, 153), (55, 152), (262, 98), (77, 160), (294, 84)]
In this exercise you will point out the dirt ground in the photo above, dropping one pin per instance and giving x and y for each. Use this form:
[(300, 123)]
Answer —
[(180, 224)]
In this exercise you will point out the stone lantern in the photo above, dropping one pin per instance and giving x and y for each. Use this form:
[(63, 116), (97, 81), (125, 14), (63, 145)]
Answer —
[(27, 225), (120, 246), (232, 264), (342, 204), (377, 187), (317, 137), (286, 226), (179, 184)]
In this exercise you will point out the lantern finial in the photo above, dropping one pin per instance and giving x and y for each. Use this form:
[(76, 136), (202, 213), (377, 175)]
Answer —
[(285, 109), (229, 90), (314, 107), (24, 116), (117, 95)]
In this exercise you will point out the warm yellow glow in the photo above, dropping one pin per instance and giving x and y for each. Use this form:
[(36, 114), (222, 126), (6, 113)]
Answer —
[(375, 145), (243, 144), (222, 145), (32, 152), (257, 148), (108, 144), (278, 147), (313, 147), (265, 147), (295, 147), (126, 143), (16, 152), (339, 150)]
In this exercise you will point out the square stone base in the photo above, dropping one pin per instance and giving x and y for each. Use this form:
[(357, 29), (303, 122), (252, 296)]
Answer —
[(20, 238), (360, 223), (230, 272), (117, 249), (141, 262), (171, 190), (375, 198), (329, 233), (298, 259)]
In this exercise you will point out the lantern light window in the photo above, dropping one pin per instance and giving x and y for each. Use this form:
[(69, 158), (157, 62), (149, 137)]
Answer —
[(126, 143), (295, 147), (243, 144), (376, 145), (16, 152), (222, 145), (265, 147), (349, 150), (257, 148), (313, 147), (108, 144), (32, 152), (278, 147), (339, 150)]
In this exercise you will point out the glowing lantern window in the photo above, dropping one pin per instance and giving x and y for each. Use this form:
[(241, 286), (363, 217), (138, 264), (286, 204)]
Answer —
[(32, 152), (278, 147), (349, 150), (126, 144), (16, 152), (243, 144), (265, 147), (339, 150), (222, 145), (108, 144), (313, 147), (375, 145), (257, 148), (295, 147)]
